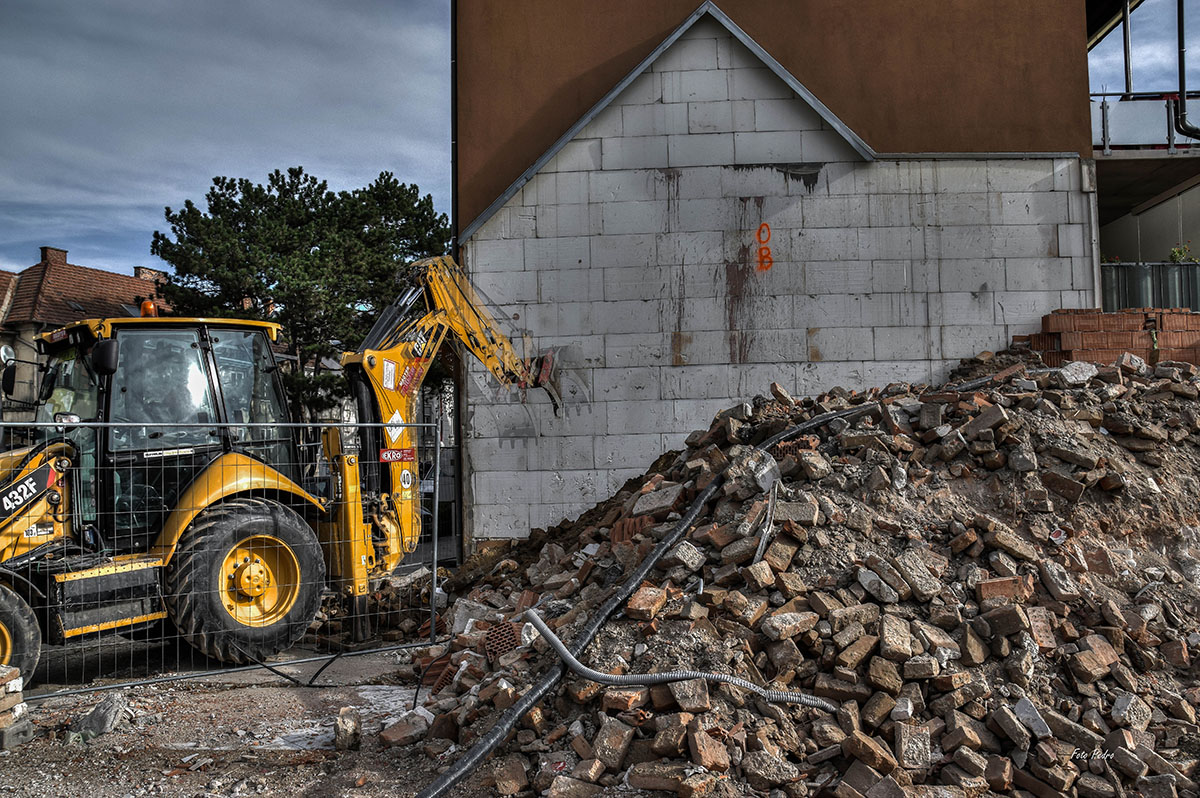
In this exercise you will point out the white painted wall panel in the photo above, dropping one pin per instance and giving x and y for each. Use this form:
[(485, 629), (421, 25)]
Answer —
[(709, 234)]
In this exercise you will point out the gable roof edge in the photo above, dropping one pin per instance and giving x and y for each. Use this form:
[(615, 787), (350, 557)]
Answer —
[(708, 8), (855, 141)]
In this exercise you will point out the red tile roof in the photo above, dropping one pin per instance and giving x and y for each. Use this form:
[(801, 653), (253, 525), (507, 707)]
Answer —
[(7, 283), (54, 292)]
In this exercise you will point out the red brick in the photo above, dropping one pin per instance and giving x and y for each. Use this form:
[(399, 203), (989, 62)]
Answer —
[(1005, 587), (1176, 652), (716, 536), (869, 752), (1057, 322), (646, 603), (1088, 667), (706, 751), (622, 699)]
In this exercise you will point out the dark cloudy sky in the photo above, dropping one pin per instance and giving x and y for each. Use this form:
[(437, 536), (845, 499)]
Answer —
[(114, 109)]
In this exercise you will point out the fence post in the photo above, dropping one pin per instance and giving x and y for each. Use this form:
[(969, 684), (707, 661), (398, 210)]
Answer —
[(437, 478)]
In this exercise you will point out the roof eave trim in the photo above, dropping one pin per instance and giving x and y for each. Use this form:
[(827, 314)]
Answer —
[(707, 8), (1102, 32)]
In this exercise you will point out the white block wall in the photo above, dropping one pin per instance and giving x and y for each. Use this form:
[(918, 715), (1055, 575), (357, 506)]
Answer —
[(633, 252)]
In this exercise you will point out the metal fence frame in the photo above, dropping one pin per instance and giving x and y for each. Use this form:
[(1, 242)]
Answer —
[(11, 431), (1150, 285)]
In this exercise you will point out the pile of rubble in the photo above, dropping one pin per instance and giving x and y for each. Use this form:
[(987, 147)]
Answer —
[(15, 727), (993, 582), (397, 609)]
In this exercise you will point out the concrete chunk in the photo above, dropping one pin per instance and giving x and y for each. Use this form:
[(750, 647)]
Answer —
[(875, 585), (658, 503), (1130, 710), (913, 748), (895, 641), (923, 583), (788, 624), (1058, 581), (1032, 719)]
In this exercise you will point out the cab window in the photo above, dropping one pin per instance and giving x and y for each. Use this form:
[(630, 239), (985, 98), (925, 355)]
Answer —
[(73, 388), (254, 402), (161, 380)]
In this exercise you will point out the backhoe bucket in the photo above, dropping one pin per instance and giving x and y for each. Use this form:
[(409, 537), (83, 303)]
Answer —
[(542, 371)]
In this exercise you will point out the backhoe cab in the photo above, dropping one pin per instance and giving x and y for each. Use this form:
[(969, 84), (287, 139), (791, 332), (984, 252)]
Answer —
[(166, 482)]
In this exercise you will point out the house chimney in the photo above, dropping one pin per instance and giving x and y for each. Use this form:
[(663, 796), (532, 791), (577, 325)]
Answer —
[(146, 273), (53, 255)]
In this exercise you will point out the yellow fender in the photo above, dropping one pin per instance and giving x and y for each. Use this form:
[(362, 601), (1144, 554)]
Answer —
[(38, 522), (229, 474)]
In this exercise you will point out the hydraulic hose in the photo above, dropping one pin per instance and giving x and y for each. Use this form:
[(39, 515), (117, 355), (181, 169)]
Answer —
[(499, 732), (646, 679)]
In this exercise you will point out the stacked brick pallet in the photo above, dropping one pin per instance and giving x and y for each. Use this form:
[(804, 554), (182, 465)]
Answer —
[(15, 727), (1153, 334)]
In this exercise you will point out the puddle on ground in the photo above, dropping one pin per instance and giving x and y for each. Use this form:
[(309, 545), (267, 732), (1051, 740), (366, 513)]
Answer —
[(377, 705), (380, 706)]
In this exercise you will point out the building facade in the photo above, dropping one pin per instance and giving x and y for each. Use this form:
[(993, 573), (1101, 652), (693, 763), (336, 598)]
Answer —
[(752, 203)]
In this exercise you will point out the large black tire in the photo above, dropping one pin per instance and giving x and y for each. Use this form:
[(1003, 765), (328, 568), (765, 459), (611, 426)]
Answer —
[(20, 635), (201, 587)]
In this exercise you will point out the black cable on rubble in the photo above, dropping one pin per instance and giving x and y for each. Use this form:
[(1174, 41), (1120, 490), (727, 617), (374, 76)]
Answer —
[(499, 732), (667, 677)]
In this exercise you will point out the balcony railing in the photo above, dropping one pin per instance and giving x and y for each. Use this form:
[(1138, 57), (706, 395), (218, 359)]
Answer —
[(1136, 121)]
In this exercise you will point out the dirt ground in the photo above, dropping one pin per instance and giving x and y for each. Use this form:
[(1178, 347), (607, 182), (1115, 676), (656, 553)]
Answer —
[(235, 734)]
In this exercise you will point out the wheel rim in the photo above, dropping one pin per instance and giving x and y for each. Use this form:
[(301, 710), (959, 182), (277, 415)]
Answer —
[(260, 580), (6, 644)]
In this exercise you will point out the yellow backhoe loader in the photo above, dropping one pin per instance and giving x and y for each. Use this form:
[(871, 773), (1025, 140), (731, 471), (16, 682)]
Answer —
[(187, 500)]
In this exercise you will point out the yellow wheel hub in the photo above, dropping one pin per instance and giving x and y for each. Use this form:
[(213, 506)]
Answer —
[(252, 579), (260, 580), (6, 645)]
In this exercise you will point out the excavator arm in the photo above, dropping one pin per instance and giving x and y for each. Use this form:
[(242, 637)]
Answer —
[(452, 301), (451, 307), (386, 374)]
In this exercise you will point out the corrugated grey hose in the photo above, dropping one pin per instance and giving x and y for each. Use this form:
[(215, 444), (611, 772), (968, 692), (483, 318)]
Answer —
[(774, 696), (484, 746)]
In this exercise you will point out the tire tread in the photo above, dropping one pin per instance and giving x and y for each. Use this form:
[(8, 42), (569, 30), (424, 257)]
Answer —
[(184, 589)]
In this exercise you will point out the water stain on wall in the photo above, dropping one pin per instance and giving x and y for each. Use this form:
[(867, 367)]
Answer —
[(740, 285), (808, 174)]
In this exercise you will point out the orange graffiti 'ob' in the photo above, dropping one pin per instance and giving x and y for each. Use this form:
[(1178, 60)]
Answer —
[(765, 261)]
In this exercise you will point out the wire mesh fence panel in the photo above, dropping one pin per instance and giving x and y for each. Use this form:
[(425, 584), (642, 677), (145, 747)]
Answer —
[(136, 550)]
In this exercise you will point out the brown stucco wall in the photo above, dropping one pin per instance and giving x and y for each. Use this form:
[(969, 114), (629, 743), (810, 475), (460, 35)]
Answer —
[(909, 76)]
